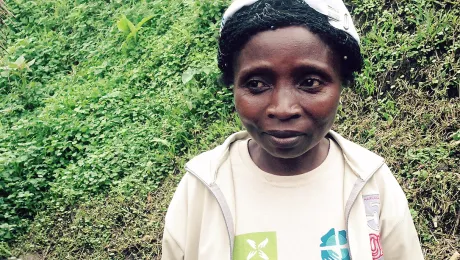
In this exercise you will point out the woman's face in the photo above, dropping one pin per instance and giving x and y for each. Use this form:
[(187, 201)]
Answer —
[(287, 90)]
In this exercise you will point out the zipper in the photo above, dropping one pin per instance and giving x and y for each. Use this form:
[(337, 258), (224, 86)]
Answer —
[(358, 187), (218, 195)]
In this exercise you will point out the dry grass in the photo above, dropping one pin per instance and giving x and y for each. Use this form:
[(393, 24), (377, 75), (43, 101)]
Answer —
[(118, 227), (417, 144)]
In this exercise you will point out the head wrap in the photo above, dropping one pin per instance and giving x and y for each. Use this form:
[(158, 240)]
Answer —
[(335, 10)]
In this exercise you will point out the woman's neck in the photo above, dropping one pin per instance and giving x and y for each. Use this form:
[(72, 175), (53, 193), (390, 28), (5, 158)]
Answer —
[(292, 166)]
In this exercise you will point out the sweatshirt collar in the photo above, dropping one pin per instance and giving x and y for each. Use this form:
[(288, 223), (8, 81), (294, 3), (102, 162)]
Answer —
[(362, 161)]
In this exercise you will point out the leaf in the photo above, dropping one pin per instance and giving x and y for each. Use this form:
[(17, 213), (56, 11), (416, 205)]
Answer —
[(132, 34), (12, 65), (144, 20), (122, 25), (113, 94), (188, 75), (128, 27), (162, 141), (20, 61), (456, 136), (124, 45), (206, 70), (30, 63), (189, 104), (131, 26)]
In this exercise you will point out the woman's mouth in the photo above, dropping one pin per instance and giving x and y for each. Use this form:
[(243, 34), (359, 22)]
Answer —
[(284, 139)]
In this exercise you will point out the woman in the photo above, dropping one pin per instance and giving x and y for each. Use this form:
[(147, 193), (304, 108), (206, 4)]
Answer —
[(289, 187)]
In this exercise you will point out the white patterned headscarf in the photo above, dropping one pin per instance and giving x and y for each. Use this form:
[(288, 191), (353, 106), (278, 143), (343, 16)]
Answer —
[(335, 10)]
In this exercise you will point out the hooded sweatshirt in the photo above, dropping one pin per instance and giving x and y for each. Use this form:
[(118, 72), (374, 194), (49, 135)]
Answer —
[(200, 219)]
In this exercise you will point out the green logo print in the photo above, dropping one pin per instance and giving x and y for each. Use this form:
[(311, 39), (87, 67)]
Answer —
[(256, 246)]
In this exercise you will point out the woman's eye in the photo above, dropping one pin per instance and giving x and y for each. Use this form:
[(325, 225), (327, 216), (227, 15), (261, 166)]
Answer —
[(311, 83), (256, 85)]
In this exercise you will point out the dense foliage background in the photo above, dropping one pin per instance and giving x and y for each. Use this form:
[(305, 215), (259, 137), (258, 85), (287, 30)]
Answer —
[(102, 102)]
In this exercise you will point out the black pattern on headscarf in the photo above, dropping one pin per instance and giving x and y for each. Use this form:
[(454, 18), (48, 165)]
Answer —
[(271, 14)]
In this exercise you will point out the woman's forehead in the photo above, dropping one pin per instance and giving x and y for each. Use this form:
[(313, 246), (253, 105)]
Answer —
[(298, 37), (285, 46)]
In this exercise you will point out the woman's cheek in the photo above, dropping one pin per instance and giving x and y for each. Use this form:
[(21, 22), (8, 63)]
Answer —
[(244, 103), (324, 106)]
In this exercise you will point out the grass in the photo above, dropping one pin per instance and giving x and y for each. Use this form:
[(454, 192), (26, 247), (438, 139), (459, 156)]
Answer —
[(95, 124), (4, 13), (426, 168)]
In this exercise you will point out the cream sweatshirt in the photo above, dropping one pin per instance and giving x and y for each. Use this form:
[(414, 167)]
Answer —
[(200, 222)]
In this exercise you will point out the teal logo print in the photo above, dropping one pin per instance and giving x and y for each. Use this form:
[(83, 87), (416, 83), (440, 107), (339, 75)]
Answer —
[(334, 245)]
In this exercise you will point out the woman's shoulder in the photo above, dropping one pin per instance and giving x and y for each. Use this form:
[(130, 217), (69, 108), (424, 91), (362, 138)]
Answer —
[(206, 163), (363, 161), (367, 163)]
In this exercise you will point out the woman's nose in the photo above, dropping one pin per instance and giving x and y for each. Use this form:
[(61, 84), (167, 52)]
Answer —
[(284, 104)]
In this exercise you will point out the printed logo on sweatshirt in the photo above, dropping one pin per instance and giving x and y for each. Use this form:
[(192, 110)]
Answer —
[(334, 245), (376, 247), (372, 206), (256, 246)]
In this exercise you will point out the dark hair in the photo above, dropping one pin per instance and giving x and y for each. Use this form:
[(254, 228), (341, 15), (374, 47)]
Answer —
[(271, 14)]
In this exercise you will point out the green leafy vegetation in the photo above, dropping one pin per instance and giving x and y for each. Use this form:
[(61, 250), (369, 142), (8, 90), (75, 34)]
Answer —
[(3, 14), (102, 102)]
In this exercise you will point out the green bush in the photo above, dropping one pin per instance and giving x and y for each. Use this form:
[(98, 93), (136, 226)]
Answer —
[(95, 111)]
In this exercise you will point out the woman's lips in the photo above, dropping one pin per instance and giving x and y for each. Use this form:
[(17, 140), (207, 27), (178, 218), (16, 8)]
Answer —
[(284, 139), (283, 133)]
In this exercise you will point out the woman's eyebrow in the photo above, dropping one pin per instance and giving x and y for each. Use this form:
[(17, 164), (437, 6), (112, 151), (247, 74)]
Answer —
[(323, 71), (256, 66), (256, 69), (314, 65)]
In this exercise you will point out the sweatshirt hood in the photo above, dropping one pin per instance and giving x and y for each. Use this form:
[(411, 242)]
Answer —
[(363, 162), (206, 165)]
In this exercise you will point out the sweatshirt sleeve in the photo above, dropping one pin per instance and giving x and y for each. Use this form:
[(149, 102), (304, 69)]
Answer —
[(176, 224), (170, 249), (401, 241), (399, 236)]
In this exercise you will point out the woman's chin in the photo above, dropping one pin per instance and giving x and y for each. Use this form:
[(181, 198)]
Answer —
[(286, 152)]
